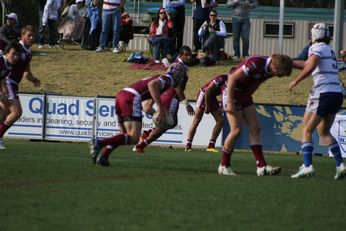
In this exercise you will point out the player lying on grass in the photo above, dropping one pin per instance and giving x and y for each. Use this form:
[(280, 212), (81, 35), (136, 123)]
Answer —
[(324, 101), (171, 101), (213, 108), (237, 101), (129, 108)]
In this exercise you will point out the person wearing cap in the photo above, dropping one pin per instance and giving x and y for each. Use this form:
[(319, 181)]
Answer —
[(49, 18), (128, 106), (325, 100), (9, 31)]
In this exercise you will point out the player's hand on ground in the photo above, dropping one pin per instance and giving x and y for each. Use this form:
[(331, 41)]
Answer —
[(190, 110)]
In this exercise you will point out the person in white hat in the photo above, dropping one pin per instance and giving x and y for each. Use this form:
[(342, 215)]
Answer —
[(9, 31)]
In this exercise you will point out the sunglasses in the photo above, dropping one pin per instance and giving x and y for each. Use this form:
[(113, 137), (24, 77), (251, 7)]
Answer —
[(162, 12), (212, 15)]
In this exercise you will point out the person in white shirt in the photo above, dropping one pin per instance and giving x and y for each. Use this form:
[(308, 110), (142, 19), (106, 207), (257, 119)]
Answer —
[(324, 101), (49, 18)]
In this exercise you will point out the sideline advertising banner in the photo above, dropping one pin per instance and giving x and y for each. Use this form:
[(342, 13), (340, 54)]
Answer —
[(30, 124), (281, 130), (69, 118)]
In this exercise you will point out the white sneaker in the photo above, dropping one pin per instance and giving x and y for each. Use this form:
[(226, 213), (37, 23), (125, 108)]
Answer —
[(51, 46), (116, 50), (268, 170), (157, 61), (227, 171), (2, 146), (304, 171), (340, 172), (99, 49), (40, 46), (235, 58)]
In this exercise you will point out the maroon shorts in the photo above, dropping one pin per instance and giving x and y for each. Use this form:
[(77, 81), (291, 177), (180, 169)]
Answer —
[(200, 102), (128, 104), (241, 100), (12, 89), (171, 104)]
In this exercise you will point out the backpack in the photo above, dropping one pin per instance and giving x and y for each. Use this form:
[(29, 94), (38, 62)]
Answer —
[(137, 57)]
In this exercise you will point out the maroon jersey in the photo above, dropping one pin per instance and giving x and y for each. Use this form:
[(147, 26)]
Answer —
[(5, 67), (141, 87), (171, 100), (256, 69), (21, 66)]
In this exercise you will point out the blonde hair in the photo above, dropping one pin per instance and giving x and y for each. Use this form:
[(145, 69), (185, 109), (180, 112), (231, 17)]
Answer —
[(283, 64)]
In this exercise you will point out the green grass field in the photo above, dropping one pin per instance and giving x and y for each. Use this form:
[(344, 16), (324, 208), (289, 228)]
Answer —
[(53, 186)]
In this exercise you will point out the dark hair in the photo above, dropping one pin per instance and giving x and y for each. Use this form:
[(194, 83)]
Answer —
[(184, 49), (213, 11), (28, 28), (156, 21), (13, 45), (325, 40)]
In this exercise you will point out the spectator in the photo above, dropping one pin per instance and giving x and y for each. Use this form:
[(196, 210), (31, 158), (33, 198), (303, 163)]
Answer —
[(213, 33), (178, 21), (49, 18), (92, 25), (111, 17), (241, 25), (159, 34), (40, 8), (126, 30), (9, 31), (72, 25), (200, 15), (343, 55), (129, 107)]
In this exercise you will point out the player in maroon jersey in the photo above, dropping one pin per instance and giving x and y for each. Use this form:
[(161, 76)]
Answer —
[(171, 101), (213, 108), (19, 70), (237, 102), (12, 54), (129, 108)]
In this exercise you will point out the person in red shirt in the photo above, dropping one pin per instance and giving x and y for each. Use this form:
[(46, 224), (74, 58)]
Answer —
[(237, 101), (128, 106), (213, 108), (159, 35), (171, 101), (13, 111)]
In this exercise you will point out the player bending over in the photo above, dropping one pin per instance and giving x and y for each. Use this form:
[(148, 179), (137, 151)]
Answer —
[(171, 101), (213, 108), (237, 101), (129, 108)]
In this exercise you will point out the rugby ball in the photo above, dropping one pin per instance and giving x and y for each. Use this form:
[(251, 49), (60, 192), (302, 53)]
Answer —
[(169, 124)]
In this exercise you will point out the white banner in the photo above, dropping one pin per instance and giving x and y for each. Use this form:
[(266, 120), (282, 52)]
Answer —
[(30, 124), (70, 118)]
